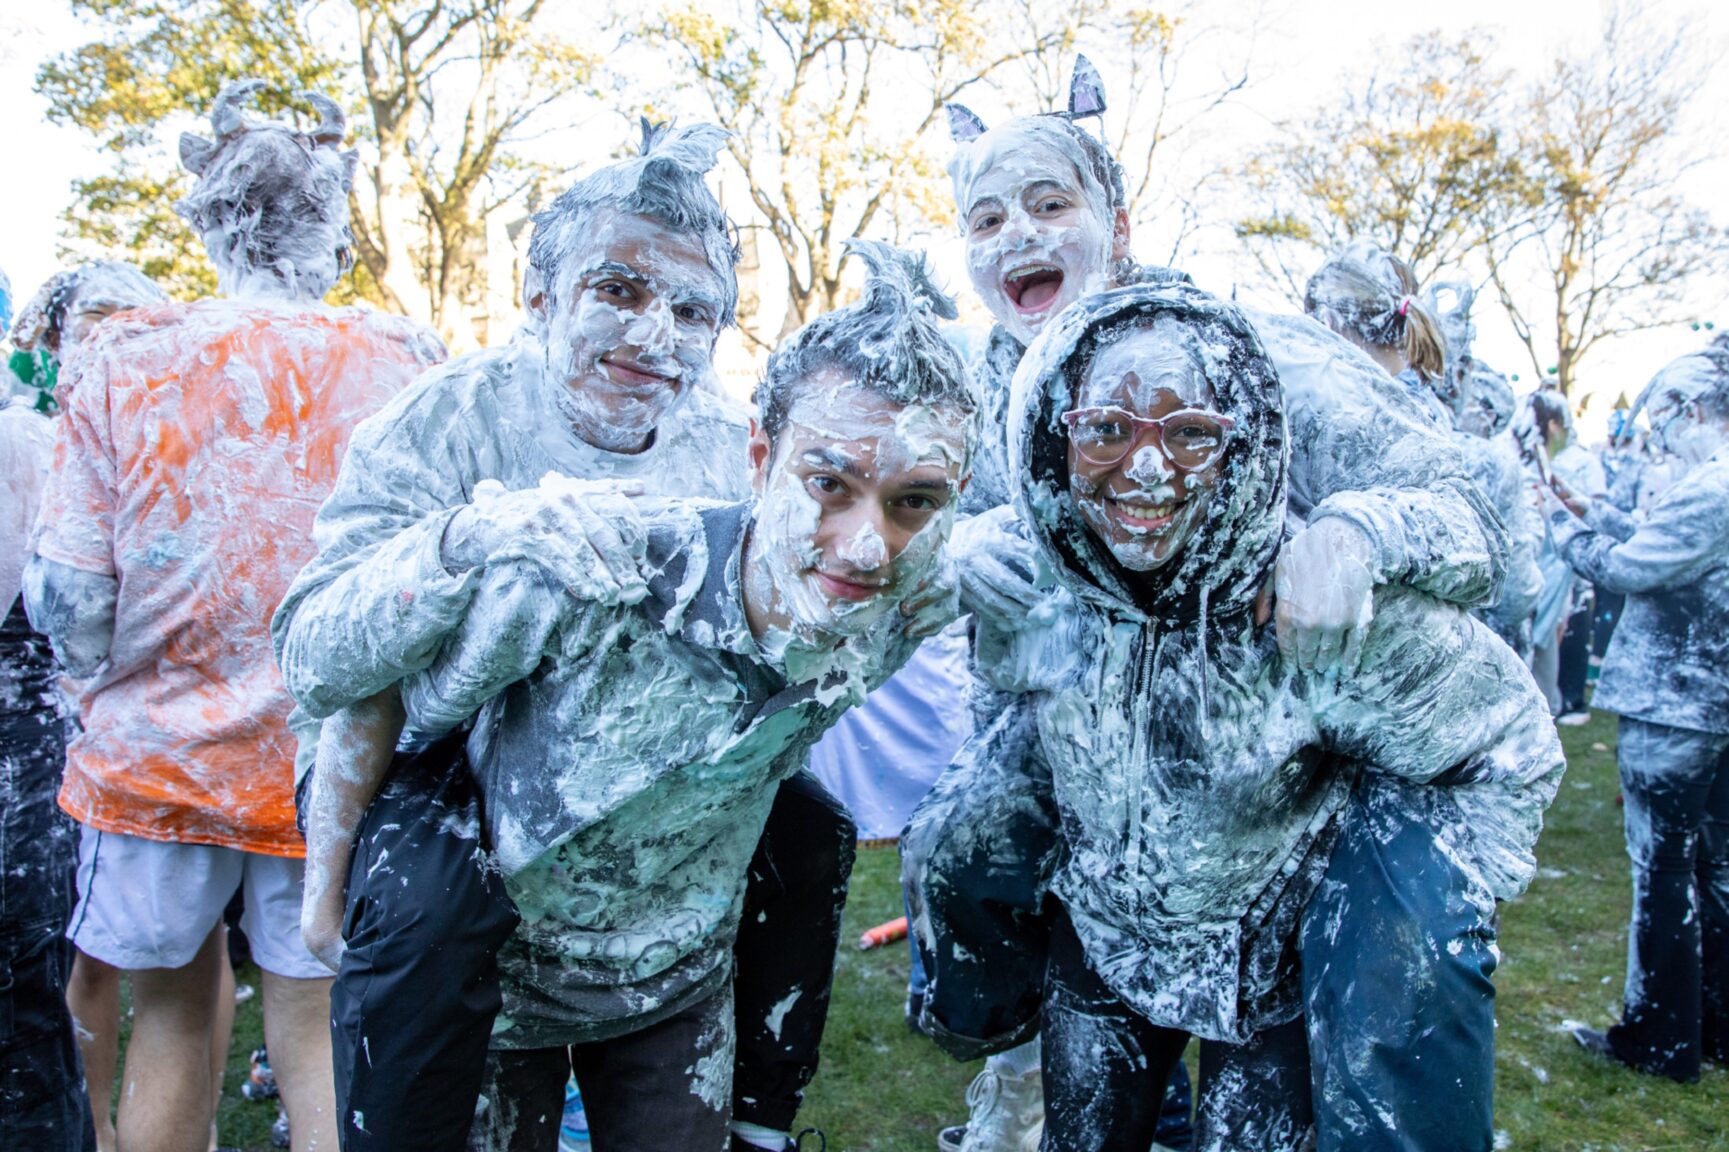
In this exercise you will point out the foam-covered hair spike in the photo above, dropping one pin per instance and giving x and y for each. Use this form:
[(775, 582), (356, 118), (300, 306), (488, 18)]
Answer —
[(666, 182), (900, 277), (888, 341)]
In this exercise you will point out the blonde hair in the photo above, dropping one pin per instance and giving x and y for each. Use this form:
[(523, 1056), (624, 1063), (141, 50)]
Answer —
[(1370, 296)]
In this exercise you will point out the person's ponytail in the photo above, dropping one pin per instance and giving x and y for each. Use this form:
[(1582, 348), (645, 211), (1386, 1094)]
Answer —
[(1425, 351)]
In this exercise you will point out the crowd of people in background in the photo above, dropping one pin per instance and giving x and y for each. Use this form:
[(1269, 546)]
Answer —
[(518, 713)]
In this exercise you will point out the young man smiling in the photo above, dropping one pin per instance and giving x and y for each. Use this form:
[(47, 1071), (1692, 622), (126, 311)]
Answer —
[(628, 753), (630, 282)]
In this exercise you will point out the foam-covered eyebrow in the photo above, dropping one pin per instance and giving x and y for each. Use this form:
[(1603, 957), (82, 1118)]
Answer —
[(829, 458), (684, 291)]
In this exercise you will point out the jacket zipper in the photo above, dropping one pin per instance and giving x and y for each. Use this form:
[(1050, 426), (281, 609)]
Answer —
[(1137, 768)]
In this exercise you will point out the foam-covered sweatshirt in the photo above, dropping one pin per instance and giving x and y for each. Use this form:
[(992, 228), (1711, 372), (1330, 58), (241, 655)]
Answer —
[(628, 756), (376, 601), (1669, 660)]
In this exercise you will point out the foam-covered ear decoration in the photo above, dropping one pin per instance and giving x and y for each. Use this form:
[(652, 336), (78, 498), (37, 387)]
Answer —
[(964, 123), (1086, 90), (195, 153)]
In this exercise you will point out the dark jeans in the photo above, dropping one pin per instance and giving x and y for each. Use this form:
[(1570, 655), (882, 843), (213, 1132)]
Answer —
[(1575, 659), (414, 1001), (1396, 966), (42, 1099), (1105, 1066), (660, 1088), (975, 860), (1676, 784)]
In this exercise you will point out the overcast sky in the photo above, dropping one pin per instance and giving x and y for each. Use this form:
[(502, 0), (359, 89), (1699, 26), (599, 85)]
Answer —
[(1304, 47)]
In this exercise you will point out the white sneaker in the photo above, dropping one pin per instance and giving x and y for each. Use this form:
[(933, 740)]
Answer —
[(1006, 1113)]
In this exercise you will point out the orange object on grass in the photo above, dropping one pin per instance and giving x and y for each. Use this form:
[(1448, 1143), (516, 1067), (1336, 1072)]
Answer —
[(895, 929)]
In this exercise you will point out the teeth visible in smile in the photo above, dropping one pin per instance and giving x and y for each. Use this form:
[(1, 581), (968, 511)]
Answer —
[(1146, 511), (1029, 270)]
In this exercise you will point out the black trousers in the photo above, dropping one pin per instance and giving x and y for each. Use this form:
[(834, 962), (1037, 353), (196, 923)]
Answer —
[(417, 992), (646, 1091), (1106, 1066), (1676, 782), (42, 1100), (1575, 658)]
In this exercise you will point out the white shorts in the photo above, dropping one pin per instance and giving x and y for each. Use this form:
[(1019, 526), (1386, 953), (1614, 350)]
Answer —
[(150, 904)]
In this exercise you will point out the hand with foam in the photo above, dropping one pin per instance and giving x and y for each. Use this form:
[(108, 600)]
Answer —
[(584, 533), (1325, 588), (997, 567), (934, 602)]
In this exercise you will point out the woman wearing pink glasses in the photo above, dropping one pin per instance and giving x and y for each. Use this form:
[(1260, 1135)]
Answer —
[(1215, 855)]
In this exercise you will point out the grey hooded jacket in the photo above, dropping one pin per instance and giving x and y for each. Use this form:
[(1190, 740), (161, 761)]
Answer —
[(1196, 774), (1669, 660)]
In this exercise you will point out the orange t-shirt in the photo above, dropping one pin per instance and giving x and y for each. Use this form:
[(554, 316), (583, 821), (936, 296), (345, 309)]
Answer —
[(197, 445)]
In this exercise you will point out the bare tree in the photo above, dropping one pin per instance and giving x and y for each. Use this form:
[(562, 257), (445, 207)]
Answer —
[(1413, 156), (1609, 246)]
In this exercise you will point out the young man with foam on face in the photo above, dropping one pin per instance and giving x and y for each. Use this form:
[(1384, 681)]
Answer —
[(628, 753), (1666, 675), (630, 282), (1379, 497), (197, 442)]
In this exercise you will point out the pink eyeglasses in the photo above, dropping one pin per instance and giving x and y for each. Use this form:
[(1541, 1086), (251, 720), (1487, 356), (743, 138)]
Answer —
[(1190, 438)]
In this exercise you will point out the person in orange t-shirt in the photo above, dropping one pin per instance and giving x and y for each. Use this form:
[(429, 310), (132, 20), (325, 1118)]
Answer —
[(198, 442)]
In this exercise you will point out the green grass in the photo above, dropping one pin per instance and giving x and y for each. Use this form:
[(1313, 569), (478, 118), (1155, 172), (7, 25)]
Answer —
[(1564, 949)]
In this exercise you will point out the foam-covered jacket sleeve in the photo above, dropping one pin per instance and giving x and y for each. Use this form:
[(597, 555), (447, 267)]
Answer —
[(1358, 451), (1686, 533), (376, 602), (1440, 702)]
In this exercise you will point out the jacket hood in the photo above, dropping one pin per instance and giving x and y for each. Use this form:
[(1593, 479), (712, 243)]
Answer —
[(1224, 564)]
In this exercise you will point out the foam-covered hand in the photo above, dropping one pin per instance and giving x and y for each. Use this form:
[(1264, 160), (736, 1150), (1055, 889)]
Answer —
[(997, 566), (933, 603), (584, 533), (1576, 504), (1325, 589)]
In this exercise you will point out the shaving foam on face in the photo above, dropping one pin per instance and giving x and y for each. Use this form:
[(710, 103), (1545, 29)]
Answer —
[(620, 365), (1006, 173), (879, 440)]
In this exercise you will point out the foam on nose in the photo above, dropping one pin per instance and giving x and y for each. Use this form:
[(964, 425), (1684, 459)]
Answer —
[(652, 330), (1148, 463), (866, 550)]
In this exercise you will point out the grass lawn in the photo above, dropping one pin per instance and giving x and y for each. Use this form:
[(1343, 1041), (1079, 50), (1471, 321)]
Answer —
[(1563, 947)]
